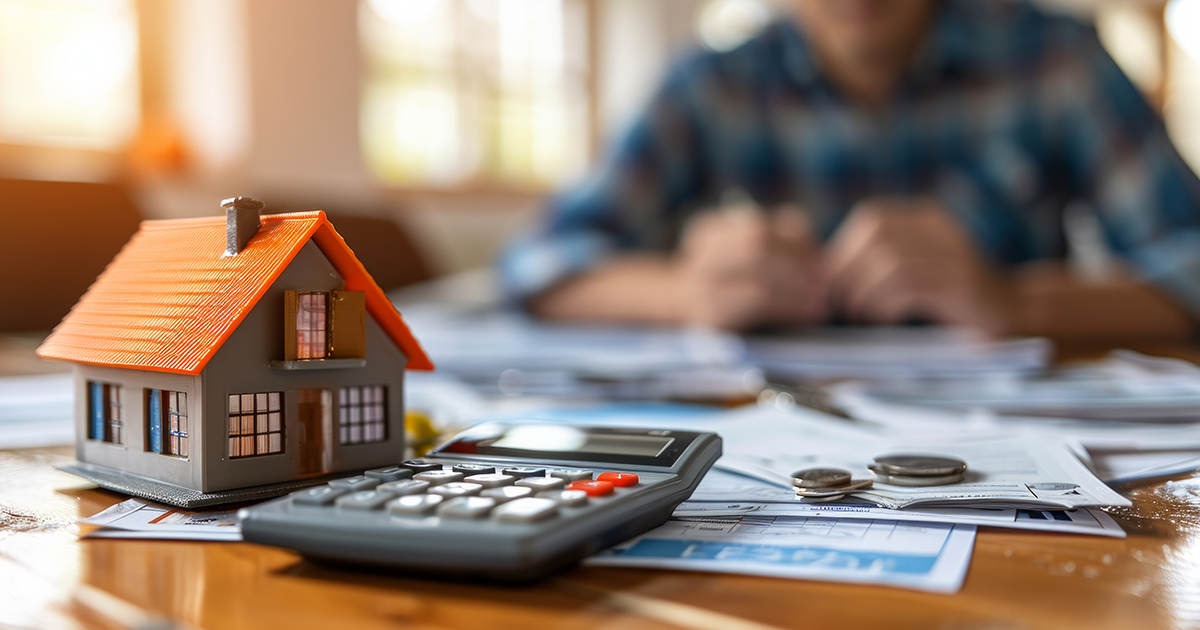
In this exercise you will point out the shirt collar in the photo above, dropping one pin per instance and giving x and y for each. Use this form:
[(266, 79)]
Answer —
[(947, 50)]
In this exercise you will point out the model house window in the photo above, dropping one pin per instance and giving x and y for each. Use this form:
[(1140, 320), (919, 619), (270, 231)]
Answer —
[(167, 422), (255, 424), (104, 413), (324, 325), (311, 319), (362, 414)]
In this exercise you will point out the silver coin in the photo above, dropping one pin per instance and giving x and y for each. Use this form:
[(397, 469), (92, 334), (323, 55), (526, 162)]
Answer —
[(920, 465), (820, 478), (917, 482)]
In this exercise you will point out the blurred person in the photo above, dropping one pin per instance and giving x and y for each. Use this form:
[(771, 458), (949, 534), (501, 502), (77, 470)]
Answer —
[(890, 161)]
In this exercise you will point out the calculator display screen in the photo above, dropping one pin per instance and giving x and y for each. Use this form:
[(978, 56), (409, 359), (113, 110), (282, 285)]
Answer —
[(565, 442)]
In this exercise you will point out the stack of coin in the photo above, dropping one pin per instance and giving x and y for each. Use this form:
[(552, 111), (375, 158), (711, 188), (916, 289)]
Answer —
[(826, 484), (918, 470)]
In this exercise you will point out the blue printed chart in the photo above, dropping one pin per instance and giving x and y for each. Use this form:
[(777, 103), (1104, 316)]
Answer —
[(922, 556)]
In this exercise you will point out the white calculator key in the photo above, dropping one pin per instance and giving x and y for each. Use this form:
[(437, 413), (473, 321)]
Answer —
[(391, 473), (457, 489), (466, 507), (364, 499), (404, 487), (414, 504), (571, 474), (321, 495), (526, 510), (491, 480), (354, 483), (567, 498), (439, 477), (504, 494), (542, 484)]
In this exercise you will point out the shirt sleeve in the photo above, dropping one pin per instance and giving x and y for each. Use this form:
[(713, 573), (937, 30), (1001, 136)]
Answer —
[(633, 201), (1146, 196)]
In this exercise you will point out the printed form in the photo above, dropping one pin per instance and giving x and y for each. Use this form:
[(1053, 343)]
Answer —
[(921, 556)]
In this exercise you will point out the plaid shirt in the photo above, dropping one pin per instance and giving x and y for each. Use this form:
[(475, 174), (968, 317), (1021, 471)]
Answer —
[(1006, 115)]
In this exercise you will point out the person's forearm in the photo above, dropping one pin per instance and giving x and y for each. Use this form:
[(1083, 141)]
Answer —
[(631, 289), (1055, 303)]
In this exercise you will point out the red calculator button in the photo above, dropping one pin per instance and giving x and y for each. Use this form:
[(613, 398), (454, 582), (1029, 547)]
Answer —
[(619, 479), (592, 488)]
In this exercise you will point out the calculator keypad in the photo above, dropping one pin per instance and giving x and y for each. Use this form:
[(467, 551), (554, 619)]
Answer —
[(467, 491)]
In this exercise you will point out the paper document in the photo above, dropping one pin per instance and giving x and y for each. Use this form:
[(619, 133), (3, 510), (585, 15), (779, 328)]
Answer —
[(921, 556), (726, 494), (138, 519), (36, 411), (902, 352), (1002, 473), (1127, 387)]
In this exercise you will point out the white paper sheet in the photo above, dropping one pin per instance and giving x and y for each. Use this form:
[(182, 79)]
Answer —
[(36, 411), (921, 556), (725, 494), (137, 519)]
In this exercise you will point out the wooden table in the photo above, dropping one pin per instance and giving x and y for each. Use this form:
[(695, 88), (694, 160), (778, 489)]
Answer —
[(51, 578)]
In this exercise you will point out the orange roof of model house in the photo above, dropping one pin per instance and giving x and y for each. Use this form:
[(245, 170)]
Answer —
[(169, 300)]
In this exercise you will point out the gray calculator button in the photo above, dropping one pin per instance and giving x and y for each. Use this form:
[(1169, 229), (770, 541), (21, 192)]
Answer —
[(566, 498), (355, 483), (391, 473), (504, 494), (439, 477), (457, 489), (571, 474), (414, 504), (541, 484), (420, 465), (474, 469), (526, 510), (404, 487), (521, 472), (364, 499), (492, 480), (321, 495), (466, 507)]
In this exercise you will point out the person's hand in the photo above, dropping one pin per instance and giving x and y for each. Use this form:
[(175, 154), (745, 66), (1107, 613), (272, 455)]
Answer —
[(739, 268), (897, 260)]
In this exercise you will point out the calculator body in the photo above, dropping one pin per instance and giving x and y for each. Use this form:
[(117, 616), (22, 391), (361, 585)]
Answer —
[(634, 479)]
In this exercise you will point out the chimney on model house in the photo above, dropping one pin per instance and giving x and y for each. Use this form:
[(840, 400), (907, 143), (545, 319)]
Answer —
[(241, 222)]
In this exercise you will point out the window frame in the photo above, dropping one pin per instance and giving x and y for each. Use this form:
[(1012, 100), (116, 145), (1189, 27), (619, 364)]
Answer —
[(112, 425), (349, 421), (245, 428)]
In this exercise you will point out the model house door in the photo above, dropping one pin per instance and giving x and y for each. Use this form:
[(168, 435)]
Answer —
[(316, 432)]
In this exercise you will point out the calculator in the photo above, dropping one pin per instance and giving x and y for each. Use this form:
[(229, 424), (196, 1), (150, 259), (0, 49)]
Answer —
[(502, 501)]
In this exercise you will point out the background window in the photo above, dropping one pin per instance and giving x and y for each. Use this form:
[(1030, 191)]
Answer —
[(255, 424), (462, 91), (362, 414), (69, 73), (311, 316), (167, 424), (104, 413)]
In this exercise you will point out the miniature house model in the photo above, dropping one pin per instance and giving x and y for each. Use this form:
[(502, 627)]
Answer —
[(220, 360)]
